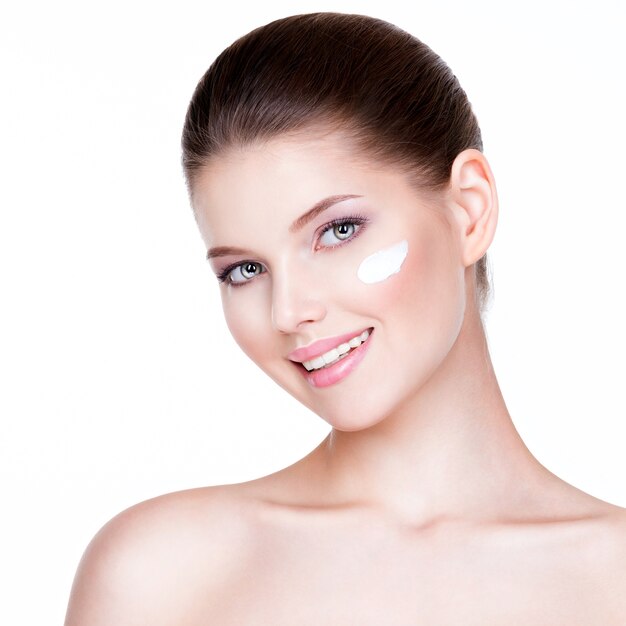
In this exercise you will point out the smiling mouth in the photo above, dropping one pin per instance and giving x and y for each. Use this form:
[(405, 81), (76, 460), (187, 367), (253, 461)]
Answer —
[(336, 354)]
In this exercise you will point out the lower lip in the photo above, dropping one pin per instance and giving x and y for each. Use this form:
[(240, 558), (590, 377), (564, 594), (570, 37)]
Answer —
[(338, 371)]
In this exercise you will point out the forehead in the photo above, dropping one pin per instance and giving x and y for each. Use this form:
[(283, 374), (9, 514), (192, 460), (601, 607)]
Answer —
[(281, 178)]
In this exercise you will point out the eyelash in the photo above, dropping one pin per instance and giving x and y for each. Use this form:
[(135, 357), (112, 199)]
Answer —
[(356, 220)]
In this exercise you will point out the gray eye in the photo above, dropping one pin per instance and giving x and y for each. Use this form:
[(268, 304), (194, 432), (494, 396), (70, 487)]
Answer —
[(248, 270), (343, 231), (339, 232), (244, 272)]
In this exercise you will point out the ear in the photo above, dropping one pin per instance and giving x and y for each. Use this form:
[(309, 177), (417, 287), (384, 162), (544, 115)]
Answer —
[(474, 203)]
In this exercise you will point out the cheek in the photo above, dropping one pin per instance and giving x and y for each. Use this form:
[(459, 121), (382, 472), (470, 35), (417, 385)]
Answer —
[(383, 264), (248, 330), (392, 284), (415, 280)]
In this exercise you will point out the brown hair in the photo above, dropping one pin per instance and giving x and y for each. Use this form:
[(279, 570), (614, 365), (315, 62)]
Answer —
[(396, 98)]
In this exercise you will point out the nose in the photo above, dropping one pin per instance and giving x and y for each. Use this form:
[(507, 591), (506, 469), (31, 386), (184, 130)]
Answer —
[(295, 302)]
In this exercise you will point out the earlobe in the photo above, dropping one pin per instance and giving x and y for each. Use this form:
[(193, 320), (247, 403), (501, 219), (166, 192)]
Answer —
[(475, 199)]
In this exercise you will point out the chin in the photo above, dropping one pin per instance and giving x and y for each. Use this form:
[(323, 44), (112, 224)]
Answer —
[(340, 411), (351, 423), (350, 413), (361, 402)]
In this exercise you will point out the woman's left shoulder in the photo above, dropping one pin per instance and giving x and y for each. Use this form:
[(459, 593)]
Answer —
[(606, 558), (616, 530), (611, 527), (586, 550)]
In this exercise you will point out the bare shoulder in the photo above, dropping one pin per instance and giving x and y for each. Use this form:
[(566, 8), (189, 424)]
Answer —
[(160, 555), (601, 553), (614, 545), (609, 542)]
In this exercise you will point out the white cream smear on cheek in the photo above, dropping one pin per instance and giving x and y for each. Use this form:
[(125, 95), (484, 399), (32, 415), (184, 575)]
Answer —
[(384, 263)]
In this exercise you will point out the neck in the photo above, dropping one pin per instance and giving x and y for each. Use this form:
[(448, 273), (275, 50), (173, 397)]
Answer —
[(451, 451)]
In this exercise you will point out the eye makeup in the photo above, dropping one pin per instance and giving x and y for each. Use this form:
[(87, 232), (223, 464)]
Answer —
[(356, 220), (250, 267), (245, 267)]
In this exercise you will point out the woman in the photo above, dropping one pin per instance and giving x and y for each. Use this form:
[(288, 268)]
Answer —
[(336, 173)]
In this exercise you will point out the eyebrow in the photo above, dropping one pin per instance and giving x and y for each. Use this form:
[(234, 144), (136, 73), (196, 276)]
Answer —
[(298, 224), (224, 251), (316, 209)]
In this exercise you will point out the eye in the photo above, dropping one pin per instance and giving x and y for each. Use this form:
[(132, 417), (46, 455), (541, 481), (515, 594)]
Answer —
[(241, 273), (339, 231)]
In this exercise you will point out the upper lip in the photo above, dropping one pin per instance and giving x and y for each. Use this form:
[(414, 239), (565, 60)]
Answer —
[(317, 348)]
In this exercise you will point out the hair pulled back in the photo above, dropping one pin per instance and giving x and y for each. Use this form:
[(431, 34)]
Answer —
[(397, 100)]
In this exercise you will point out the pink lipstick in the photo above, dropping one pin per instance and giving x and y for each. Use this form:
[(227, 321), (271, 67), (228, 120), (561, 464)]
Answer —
[(319, 347), (334, 372)]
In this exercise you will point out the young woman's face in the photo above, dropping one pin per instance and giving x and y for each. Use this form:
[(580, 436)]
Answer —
[(375, 256)]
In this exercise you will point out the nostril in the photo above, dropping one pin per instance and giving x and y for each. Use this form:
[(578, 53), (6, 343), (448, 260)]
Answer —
[(288, 316)]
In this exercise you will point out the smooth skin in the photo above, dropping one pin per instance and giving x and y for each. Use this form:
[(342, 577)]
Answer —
[(422, 506)]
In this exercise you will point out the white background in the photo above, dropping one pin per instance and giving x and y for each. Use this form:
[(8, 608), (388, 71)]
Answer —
[(119, 380)]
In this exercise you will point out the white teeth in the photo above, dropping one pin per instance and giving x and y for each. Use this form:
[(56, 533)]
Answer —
[(316, 362), (336, 353), (330, 356), (342, 348)]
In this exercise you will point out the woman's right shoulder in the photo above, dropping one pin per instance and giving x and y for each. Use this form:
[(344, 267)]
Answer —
[(148, 561)]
